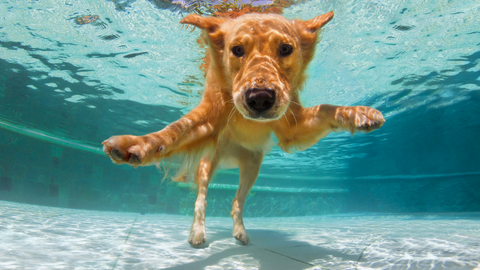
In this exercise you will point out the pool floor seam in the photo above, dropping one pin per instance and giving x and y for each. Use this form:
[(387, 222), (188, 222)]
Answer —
[(124, 244), (283, 255)]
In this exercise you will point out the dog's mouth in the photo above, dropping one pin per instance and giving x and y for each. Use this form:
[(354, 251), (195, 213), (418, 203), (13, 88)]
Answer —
[(260, 104)]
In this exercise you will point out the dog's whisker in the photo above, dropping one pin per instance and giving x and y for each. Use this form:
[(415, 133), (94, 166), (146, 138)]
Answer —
[(230, 115), (288, 123), (295, 102), (232, 112)]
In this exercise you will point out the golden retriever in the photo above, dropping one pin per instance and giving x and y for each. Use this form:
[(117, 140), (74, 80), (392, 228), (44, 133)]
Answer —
[(255, 74)]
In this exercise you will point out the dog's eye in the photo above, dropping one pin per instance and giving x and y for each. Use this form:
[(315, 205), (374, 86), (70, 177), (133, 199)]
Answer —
[(238, 51), (285, 50)]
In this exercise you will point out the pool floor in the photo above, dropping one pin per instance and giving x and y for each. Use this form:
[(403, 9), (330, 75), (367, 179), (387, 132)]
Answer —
[(37, 237)]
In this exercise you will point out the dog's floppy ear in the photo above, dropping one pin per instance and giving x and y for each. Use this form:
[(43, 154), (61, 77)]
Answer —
[(318, 22), (308, 29), (210, 25)]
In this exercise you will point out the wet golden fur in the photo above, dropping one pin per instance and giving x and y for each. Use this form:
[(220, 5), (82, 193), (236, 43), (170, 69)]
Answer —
[(257, 68)]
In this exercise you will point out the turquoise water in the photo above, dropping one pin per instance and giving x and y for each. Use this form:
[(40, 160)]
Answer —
[(65, 87), (406, 196)]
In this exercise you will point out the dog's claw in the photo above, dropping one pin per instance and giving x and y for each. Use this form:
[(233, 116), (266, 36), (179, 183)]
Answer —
[(369, 124)]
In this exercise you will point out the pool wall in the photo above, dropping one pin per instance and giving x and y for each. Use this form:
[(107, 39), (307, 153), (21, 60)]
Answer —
[(39, 172)]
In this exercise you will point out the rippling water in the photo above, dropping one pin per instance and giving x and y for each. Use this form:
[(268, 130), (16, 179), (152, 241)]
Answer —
[(134, 69), (73, 73)]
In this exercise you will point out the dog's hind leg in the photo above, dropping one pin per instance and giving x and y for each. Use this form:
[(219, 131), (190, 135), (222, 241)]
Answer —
[(249, 164), (203, 176)]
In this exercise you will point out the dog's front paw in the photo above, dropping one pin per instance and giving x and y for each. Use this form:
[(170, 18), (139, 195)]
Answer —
[(133, 150), (197, 238), (241, 235), (359, 118)]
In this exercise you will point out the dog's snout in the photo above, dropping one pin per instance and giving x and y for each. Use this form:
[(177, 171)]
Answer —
[(260, 100)]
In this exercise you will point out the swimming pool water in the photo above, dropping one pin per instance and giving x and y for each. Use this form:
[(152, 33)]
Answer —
[(133, 69), (73, 73)]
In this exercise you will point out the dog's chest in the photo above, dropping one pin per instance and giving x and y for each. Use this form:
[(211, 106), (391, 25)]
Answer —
[(255, 136)]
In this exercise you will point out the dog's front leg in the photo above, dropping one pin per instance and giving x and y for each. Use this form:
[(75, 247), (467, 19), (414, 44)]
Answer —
[(185, 134), (203, 176), (304, 127), (327, 118)]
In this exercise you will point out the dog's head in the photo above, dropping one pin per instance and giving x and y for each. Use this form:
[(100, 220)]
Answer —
[(261, 58)]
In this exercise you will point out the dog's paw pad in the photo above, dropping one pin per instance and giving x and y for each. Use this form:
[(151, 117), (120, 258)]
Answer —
[(370, 120), (116, 154), (197, 239), (197, 243), (126, 149), (242, 237), (134, 160), (359, 118)]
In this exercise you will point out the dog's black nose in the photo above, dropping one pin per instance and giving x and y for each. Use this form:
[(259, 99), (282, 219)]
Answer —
[(260, 99)]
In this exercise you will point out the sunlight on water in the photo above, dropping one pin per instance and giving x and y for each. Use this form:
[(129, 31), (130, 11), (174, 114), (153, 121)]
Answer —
[(129, 67), (143, 54), (100, 54), (372, 46)]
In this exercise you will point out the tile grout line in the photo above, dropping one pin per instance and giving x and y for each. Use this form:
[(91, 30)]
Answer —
[(289, 257), (363, 251), (126, 240)]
